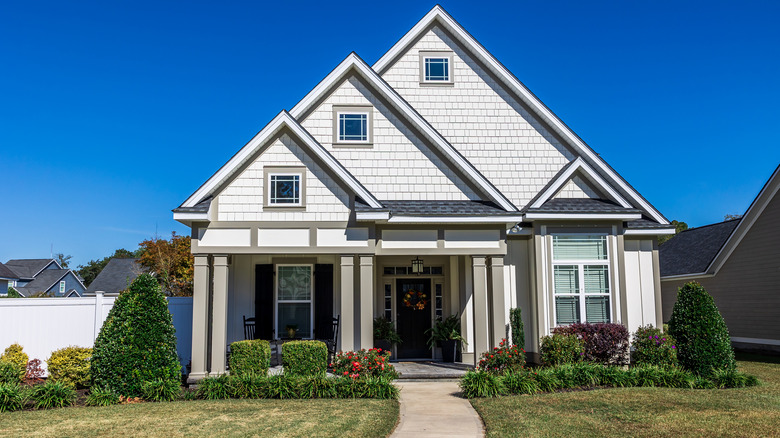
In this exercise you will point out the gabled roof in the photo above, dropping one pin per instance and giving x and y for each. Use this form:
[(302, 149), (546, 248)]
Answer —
[(353, 63), (46, 279), (281, 121), (691, 251), (29, 268), (7, 274), (116, 276), (438, 208), (439, 16)]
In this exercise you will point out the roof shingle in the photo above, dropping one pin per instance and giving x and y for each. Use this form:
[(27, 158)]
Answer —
[(692, 251)]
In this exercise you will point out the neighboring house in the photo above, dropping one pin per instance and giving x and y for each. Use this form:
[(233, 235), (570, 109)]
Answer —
[(433, 172), (116, 276), (7, 278), (45, 277), (738, 262)]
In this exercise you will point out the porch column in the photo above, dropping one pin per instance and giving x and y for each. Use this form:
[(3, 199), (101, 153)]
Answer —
[(347, 329), (499, 301), (219, 322), (481, 330), (200, 317), (366, 302)]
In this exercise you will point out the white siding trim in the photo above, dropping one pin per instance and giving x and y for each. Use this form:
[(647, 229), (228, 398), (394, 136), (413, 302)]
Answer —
[(593, 177)]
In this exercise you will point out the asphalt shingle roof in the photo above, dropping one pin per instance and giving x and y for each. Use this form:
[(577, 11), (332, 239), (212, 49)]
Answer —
[(438, 208), (200, 207), (7, 273), (581, 205), (45, 280), (27, 268), (692, 251), (116, 276)]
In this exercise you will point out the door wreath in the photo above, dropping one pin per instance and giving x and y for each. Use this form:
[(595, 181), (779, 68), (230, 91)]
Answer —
[(415, 299)]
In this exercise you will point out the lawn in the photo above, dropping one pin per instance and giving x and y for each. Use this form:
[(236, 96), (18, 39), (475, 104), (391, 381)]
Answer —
[(288, 418), (637, 412)]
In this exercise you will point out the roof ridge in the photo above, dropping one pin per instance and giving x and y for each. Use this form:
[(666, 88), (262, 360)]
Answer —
[(710, 225)]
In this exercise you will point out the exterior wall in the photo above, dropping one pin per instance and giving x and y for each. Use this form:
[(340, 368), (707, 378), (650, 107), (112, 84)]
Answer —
[(3, 287), (519, 264), (242, 199), (71, 282), (577, 188), (398, 165), (640, 295), (480, 119), (746, 288)]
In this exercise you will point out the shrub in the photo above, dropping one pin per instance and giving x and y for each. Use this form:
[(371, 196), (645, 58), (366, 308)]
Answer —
[(11, 398), (605, 343), (34, 373), (516, 322), (305, 358), (282, 386), (137, 342), (502, 359), (70, 365), (160, 389), (481, 384), (560, 349), (318, 387), (521, 382), (547, 379), (53, 395), (373, 362), (214, 388), (250, 357), (101, 397), (731, 378), (247, 385), (703, 343), (384, 329), (653, 347), (10, 373), (15, 354)]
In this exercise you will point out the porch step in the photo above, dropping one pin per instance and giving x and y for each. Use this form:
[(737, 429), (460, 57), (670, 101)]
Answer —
[(430, 371)]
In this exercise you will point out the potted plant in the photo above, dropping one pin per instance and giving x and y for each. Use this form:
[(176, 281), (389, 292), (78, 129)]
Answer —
[(447, 334), (385, 335)]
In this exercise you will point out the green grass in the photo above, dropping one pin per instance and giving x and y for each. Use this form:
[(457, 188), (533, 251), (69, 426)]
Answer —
[(224, 418), (637, 412)]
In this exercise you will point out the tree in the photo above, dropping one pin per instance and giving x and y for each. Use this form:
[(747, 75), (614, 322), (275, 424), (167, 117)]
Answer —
[(63, 259), (91, 270), (171, 261), (678, 228), (729, 217)]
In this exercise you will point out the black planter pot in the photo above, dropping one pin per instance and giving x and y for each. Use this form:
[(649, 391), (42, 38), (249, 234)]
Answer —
[(449, 350), (384, 344)]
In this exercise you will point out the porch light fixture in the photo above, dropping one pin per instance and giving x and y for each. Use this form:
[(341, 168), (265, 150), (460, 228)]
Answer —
[(417, 266)]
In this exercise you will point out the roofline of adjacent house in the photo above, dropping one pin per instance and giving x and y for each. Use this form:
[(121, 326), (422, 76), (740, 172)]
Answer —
[(514, 84), (69, 271), (678, 277)]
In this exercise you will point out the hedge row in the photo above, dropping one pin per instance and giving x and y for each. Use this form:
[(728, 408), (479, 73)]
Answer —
[(283, 386)]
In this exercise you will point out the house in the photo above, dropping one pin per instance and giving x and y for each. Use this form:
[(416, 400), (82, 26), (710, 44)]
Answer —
[(738, 263), (7, 278), (116, 276), (45, 277), (432, 183)]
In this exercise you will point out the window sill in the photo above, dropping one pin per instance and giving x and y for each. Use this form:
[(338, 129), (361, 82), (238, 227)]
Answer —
[(437, 84), (343, 144)]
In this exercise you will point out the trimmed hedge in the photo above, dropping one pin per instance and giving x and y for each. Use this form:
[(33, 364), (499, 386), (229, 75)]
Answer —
[(137, 342), (250, 357), (559, 349), (703, 342), (70, 365), (605, 343), (305, 358), (653, 347), (284, 386)]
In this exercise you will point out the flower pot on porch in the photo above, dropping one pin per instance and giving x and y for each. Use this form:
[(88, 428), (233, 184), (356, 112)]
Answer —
[(384, 344), (449, 350)]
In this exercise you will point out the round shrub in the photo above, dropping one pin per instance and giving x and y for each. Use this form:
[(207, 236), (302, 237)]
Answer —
[(502, 359), (653, 347), (70, 365), (137, 342), (703, 343), (559, 349), (15, 354)]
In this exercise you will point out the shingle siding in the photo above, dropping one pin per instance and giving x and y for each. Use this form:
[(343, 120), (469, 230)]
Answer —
[(577, 188)]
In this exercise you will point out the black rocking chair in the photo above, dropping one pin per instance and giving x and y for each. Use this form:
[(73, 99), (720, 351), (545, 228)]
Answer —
[(249, 328), (333, 343)]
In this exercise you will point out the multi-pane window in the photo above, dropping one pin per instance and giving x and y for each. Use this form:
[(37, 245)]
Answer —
[(439, 300), (62, 287), (581, 279), (284, 189), (294, 300), (388, 302), (353, 127), (437, 69)]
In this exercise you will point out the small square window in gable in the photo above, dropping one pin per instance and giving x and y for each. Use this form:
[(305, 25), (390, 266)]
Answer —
[(285, 187), (353, 125), (436, 68)]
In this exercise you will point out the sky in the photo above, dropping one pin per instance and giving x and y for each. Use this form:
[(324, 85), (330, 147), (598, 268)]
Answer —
[(113, 113)]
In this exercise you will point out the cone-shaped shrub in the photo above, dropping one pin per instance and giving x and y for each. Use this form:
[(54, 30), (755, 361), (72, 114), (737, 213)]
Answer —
[(703, 343), (137, 342)]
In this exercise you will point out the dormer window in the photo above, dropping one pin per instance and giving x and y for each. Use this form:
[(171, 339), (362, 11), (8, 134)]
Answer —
[(285, 186), (352, 125), (436, 68)]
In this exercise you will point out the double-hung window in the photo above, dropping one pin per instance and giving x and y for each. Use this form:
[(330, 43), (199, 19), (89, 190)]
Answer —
[(581, 278), (294, 293)]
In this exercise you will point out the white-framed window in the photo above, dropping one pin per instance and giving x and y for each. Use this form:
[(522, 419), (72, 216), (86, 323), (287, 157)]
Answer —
[(62, 286), (438, 308), (353, 127), (436, 68), (284, 189), (581, 284), (294, 300)]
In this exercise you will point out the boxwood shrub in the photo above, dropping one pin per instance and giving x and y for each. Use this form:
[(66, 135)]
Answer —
[(70, 365), (250, 357), (305, 358), (703, 343), (605, 343), (558, 349), (653, 347), (137, 342)]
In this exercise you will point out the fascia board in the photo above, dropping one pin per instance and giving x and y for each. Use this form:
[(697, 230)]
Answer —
[(438, 13), (650, 232), (191, 216), (596, 216), (686, 276), (372, 216), (593, 177), (454, 220)]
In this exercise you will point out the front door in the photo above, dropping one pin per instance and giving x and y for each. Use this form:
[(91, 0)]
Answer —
[(413, 301)]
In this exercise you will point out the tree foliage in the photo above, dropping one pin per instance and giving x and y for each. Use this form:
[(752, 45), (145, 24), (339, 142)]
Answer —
[(729, 217), (62, 259), (91, 270), (171, 261), (678, 228)]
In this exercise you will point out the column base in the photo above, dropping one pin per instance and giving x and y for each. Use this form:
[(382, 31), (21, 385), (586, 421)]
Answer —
[(196, 377)]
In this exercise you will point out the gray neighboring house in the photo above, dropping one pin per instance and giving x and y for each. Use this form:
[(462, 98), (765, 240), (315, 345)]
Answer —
[(116, 276), (738, 262), (6, 276), (44, 277)]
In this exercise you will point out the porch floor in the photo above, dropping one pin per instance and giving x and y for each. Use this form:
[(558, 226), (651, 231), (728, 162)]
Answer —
[(430, 370)]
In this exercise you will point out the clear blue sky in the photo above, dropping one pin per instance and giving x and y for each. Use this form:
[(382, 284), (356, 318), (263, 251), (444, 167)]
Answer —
[(112, 113)]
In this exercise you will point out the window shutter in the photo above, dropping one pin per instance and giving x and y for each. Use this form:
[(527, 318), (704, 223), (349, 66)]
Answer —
[(323, 301), (264, 301)]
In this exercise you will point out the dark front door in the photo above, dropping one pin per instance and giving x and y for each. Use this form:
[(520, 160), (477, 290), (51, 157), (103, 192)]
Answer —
[(415, 320)]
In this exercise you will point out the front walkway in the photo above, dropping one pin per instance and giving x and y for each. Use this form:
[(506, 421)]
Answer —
[(430, 370), (434, 409)]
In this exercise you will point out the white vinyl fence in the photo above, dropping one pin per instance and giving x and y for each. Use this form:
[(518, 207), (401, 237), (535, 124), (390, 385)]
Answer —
[(43, 325)]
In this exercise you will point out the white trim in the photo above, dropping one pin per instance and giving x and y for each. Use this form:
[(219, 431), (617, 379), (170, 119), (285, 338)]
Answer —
[(603, 216), (299, 183), (355, 111), (372, 216), (438, 13), (649, 232), (180, 216), (354, 62), (687, 276), (454, 220), (590, 175), (283, 119), (755, 340)]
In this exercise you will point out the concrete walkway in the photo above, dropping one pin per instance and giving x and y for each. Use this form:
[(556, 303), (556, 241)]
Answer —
[(433, 409)]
